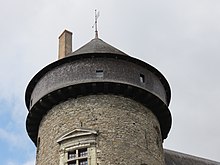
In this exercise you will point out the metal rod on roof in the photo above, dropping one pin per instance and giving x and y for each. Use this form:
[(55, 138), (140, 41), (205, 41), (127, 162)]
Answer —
[(96, 23)]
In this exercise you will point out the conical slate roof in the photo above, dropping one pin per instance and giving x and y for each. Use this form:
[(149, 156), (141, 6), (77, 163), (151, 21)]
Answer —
[(97, 45)]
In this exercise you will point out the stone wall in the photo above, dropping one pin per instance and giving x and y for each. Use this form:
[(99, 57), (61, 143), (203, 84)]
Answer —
[(128, 133)]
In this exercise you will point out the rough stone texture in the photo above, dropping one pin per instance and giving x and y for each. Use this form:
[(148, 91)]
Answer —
[(129, 133)]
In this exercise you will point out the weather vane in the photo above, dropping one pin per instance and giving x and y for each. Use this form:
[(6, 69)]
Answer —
[(96, 23)]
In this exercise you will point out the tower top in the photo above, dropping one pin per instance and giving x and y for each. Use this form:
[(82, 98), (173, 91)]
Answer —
[(97, 68)]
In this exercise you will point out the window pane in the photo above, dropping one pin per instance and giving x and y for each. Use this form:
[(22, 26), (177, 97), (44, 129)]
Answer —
[(83, 162), (83, 152), (71, 155), (72, 163)]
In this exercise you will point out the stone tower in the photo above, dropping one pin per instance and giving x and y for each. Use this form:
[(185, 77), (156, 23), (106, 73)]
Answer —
[(98, 106)]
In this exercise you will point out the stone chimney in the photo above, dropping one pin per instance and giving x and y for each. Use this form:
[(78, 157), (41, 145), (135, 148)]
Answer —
[(65, 44)]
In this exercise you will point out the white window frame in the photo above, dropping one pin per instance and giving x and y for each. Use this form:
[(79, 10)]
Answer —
[(75, 140)]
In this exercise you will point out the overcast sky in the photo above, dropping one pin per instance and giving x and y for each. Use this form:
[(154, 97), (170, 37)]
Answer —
[(180, 38)]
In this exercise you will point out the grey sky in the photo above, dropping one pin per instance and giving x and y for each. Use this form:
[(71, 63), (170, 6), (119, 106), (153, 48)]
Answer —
[(180, 38)]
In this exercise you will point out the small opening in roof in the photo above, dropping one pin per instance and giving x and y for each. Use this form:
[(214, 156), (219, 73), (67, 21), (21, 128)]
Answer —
[(99, 73), (142, 78)]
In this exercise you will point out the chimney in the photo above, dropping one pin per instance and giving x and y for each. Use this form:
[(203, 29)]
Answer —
[(65, 44)]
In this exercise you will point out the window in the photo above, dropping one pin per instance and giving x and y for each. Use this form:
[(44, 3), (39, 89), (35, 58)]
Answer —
[(72, 163), (99, 73), (78, 147), (72, 155), (83, 162), (78, 157), (83, 152), (142, 78)]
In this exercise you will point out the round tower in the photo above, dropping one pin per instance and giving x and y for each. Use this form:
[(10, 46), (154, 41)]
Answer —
[(98, 106)]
